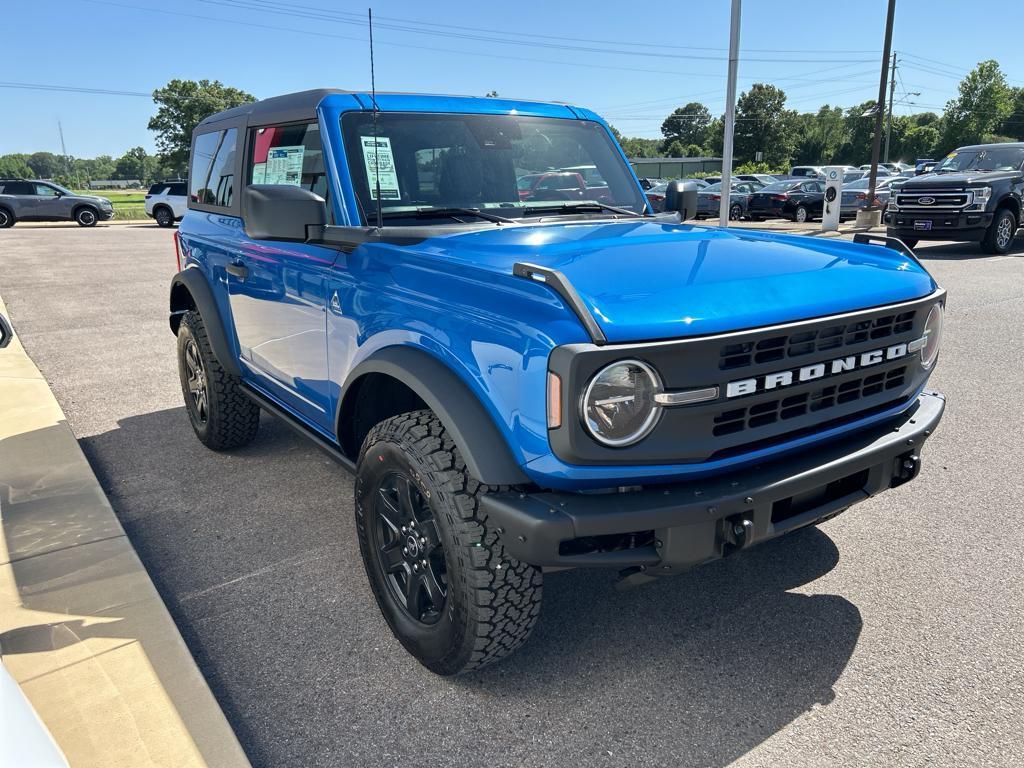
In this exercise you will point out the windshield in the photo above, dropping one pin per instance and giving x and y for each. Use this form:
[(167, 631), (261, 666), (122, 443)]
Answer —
[(510, 165), (988, 159)]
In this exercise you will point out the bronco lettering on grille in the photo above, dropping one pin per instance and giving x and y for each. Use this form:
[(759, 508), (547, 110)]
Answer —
[(820, 370)]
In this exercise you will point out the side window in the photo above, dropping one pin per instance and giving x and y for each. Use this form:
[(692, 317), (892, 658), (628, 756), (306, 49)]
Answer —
[(44, 190), (203, 152), (222, 172), (178, 189), (212, 174), (289, 154)]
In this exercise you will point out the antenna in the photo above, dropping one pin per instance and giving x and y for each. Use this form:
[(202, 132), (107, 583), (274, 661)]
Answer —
[(376, 148)]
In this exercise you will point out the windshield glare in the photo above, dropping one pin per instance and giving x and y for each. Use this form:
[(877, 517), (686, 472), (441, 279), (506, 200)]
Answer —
[(506, 164), (990, 159), (779, 186)]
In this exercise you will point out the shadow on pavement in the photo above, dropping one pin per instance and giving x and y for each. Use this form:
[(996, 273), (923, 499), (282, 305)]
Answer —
[(961, 252), (256, 555)]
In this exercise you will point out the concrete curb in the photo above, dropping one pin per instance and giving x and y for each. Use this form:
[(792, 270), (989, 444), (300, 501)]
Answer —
[(82, 628)]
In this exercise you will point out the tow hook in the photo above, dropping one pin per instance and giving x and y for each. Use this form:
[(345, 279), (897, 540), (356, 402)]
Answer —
[(907, 466), (735, 532)]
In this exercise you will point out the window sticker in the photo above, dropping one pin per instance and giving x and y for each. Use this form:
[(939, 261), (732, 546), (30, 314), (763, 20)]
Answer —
[(259, 173), (377, 155), (284, 165)]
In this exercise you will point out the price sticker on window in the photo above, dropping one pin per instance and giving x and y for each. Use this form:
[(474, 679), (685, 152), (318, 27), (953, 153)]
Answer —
[(380, 167)]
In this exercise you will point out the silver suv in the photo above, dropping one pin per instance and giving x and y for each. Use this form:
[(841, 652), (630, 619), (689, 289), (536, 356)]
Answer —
[(23, 200)]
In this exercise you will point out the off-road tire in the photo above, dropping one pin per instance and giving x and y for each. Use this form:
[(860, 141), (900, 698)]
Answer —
[(999, 236), (231, 419), (163, 216), (86, 216), (492, 601), (6, 218)]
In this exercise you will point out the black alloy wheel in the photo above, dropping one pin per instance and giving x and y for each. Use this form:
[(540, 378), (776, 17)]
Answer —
[(198, 402), (163, 216), (408, 549)]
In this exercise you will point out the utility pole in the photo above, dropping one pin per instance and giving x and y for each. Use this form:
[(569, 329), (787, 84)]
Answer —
[(730, 116), (874, 215), (892, 93), (64, 150)]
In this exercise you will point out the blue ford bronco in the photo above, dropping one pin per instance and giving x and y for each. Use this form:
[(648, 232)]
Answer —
[(526, 377)]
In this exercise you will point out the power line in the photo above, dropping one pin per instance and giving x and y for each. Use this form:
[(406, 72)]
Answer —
[(403, 24), (413, 28), (73, 89), (332, 36)]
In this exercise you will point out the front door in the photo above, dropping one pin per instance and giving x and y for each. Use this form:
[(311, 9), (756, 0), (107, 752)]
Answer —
[(47, 204), (277, 291)]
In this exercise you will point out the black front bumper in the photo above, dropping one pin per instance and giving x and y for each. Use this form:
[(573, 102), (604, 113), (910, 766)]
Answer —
[(944, 226), (665, 529)]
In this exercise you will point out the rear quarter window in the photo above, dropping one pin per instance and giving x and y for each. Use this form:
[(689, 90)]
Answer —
[(212, 171)]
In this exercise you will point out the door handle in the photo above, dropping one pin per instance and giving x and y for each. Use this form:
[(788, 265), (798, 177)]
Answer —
[(238, 270)]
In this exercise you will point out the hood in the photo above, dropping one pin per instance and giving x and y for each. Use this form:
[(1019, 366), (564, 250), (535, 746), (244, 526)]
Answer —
[(651, 280), (957, 180)]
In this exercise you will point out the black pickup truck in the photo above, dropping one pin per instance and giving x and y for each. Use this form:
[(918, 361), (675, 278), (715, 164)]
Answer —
[(973, 194)]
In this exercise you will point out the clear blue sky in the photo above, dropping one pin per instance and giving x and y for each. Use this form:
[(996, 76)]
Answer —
[(632, 62)]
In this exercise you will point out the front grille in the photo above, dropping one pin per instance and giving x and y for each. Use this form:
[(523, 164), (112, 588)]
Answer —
[(938, 200), (802, 343), (820, 394), (782, 409)]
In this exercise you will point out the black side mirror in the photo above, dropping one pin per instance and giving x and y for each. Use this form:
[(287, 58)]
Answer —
[(6, 333), (281, 212), (681, 196)]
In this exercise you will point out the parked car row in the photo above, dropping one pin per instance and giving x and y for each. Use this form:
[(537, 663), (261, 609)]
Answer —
[(44, 200)]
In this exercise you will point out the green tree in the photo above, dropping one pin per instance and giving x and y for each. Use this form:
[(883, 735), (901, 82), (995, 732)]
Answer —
[(182, 105), (45, 165), (859, 132), (675, 149), (133, 165), (984, 104), (14, 166), (1013, 125), (764, 125), (820, 136), (716, 137), (687, 125)]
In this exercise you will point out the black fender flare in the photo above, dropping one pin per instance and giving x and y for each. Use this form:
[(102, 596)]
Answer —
[(482, 445), (191, 282)]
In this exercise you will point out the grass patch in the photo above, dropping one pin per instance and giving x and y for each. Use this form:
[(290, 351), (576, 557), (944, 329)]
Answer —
[(128, 212)]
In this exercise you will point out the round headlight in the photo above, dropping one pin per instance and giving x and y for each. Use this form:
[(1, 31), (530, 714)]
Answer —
[(932, 336), (618, 405)]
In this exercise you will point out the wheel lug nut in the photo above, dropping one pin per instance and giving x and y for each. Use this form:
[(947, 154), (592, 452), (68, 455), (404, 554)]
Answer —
[(415, 566), (405, 550), (423, 563), (404, 529), (423, 540)]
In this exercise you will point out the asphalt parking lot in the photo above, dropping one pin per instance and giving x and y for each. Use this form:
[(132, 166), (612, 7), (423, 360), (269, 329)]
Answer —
[(889, 636)]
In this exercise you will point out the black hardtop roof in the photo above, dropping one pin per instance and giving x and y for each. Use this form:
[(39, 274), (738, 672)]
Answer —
[(295, 107), (277, 109)]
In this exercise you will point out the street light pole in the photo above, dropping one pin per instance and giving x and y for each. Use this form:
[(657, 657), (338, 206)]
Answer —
[(876, 145), (730, 116), (892, 93)]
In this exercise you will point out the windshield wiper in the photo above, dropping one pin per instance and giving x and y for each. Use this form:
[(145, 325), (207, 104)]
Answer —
[(590, 204), (426, 213)]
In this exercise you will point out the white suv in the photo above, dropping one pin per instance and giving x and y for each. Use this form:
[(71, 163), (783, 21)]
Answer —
[(166, 202)]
